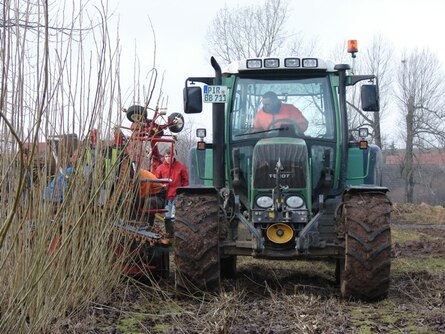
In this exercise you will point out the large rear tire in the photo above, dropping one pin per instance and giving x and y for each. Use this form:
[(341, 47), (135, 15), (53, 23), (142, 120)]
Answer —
[(365, 271), (196, 239)]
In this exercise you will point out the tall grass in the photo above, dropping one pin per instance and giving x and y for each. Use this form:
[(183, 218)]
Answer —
[(58, 75)]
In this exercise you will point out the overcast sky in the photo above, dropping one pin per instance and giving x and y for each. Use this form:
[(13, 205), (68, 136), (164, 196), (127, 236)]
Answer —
[(181, 25)]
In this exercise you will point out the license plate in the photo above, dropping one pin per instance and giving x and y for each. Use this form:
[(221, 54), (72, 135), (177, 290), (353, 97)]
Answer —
[(215, 94)]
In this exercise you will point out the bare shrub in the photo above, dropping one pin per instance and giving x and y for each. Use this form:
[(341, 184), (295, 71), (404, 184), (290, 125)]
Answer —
[(56, 256)]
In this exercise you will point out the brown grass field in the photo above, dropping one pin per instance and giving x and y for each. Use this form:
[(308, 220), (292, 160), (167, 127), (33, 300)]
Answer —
[(291, 297)]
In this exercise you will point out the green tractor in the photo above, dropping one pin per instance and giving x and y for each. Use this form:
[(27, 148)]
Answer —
[(282, 193)]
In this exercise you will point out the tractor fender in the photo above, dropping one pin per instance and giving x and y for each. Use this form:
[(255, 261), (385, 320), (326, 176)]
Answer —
[(365, 188)]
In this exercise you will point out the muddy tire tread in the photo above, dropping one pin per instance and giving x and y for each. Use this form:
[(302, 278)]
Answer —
[(367, 263), (196, 249)]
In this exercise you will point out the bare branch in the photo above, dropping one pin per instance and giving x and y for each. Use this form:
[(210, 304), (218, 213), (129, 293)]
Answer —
[(420, 97), (252, 31)]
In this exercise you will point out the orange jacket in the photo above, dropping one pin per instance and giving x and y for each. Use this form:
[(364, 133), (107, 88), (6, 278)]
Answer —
[(148, 188), (288, 111)]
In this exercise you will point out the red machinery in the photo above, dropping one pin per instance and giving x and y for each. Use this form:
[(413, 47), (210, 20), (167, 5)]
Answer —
[(147, 240)]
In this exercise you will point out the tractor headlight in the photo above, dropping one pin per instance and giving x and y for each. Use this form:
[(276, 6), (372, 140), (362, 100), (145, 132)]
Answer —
[(310, 62), (292, 62), (294, 202), (271, 62), (264, 202), (253, 63)]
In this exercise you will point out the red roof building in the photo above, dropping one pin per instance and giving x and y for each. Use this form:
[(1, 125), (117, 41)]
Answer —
[(433, 157)]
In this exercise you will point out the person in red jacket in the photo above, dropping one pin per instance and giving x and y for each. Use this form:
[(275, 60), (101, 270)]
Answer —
[(274, 110), (177, 172)]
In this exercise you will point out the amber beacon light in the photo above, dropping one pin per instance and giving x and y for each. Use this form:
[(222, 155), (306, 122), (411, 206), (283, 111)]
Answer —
[(352, 47)]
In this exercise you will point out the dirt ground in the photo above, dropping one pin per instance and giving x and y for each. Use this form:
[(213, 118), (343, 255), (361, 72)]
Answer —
[(291, 297)]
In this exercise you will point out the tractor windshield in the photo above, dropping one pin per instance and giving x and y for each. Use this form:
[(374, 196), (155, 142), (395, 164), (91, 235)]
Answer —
[(304, 107)]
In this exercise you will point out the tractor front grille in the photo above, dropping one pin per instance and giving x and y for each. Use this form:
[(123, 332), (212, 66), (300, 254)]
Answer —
[(293, 158)]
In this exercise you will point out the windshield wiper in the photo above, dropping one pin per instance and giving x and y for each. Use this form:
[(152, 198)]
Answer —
[(285, 128)]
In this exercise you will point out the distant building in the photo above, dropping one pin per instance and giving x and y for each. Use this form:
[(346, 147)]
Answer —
[(432, 157), (429, 176)]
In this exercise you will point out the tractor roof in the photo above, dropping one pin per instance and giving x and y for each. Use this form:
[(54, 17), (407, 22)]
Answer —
[(279, 63)]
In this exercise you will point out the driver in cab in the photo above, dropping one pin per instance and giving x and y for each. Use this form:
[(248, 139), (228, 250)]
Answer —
[(274, 113)]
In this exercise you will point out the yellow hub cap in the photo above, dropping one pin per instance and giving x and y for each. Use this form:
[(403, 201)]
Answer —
[(279, 233)]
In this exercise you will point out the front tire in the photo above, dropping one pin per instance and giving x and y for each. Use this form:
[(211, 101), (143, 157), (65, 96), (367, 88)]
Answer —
[(365, 273), (196, 242)]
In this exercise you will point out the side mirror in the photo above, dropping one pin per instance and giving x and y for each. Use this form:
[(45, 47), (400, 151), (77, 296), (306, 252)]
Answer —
[(370, 98), (192, 100)]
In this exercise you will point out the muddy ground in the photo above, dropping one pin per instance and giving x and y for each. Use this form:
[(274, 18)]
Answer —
[(290, 297)]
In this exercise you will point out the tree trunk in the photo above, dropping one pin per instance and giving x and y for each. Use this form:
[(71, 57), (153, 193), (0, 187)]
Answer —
[(377, 132), (409, 154)]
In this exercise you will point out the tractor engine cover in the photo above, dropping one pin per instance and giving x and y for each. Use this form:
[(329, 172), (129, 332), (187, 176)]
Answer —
[(290, 152)]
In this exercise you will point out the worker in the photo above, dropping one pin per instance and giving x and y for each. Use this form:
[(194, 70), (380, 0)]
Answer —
[(177, 172), (151, 195), (274, 110)]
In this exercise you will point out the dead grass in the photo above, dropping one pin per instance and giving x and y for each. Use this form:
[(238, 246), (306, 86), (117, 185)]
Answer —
[(418, 214), (55, 257), (290, 297)]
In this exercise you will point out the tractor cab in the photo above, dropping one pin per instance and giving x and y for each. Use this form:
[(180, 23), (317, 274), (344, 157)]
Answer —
[(295, 150)]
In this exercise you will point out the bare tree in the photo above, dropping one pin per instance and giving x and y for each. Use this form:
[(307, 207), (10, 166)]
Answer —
[(301, 45), (258, 30), (186, 140), (376, 59), (420, 97)]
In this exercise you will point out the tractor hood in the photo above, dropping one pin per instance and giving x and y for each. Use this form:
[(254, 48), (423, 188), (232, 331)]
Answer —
[(284, 153)]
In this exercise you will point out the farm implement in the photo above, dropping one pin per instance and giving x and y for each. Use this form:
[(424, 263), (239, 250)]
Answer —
[(136, 221)]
